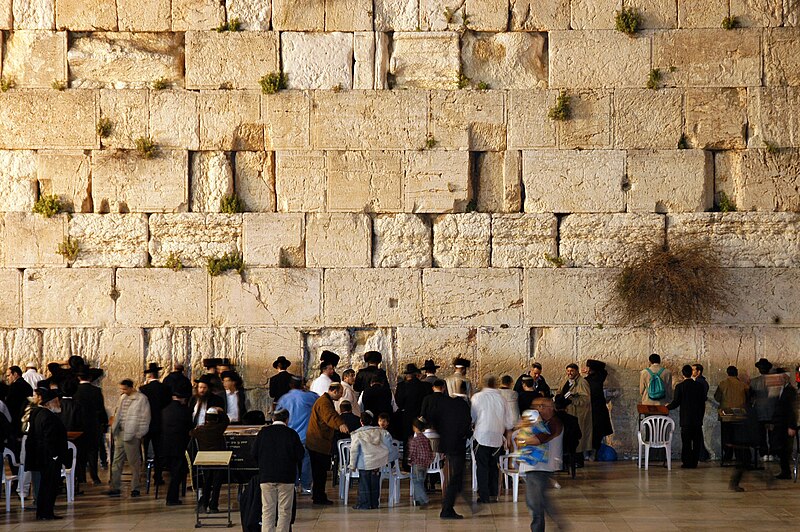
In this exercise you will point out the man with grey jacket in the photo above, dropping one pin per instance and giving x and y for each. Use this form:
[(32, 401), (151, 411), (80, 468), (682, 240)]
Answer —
[(131, 423)]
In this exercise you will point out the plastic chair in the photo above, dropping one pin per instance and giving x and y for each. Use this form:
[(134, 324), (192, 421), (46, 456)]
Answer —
[(510, 468), (434, 468), (655, 432), (396, 475), (474, 464), (344, 470), (9, 479), (69, 474)]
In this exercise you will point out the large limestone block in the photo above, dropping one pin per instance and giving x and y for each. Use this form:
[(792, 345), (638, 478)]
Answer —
[(31, 240), (716, 118), (440, 344), (300, 181), (274, 239), (48, 119), (6, 14), (298, 15), (731, 345), (254, 173), (773, 115), (230, 120), (11, 303), (197, 14), (263, 345), (597, 58), (396, 15), (75, 15), (708, 14), (677, 342), (233, 59), (607, 241), (593, 14), (338, 241), (759, 13), (499, 184), (515, 60), (779, 344), (589, 125), (147, 297), (437, 181), (209, 342), (125, 60), (125, 182), (286, 117), (210, 181), (487, 15), (317, 60), (645, 118), (385, 120), (17, 180), (144, 15), (763, 296), (759, 180), (742, 239), (712, 57), (462, 240), (551, 343), (364, 59), (34, 14), (568, 296), (35, 58), (253, 15), (20, 346), (401, 241), (110, 240), (383, 42), (267, 297), (573, 181), (655, 14), (65, 297), (65, 174), (121, 352), (370, 297), (528, 124), (174, 119), (523, 240), (429, 60), (340, 341), (528, 15), (168, 346), (126, 110), (624, 346), (670, 181), (473, 120), (503, 351), (194, 237), (467, 296), (782, 56), (364, 181), (348, 15)]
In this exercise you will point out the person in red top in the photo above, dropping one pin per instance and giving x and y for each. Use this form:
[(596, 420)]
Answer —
[(420, 456)]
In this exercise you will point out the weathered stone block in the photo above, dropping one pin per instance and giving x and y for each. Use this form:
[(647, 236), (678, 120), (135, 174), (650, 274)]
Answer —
[(528, 15), (437, 181), (515, 60), (197, 14), (596, 58), (465, 296), (707, 14), (713, 57), (121, 351), (607, 241), (35, 58), (168, 346), (551, 343), (388, 120), (370, 297), (383, 43), (6, 15), (17, 180), (396, 15), (66, 175), (48, 119), (441, 15), (628, 345), (210, 342), (348, 15), (338, 241), (230, 120), (758, 13), (773, 115), (110, 240), (364, 181), (75, 15), (274, 239), (670, 181), (11, 303), (655, 14), (593, 14), (20, 346), (144, 15), (462, 240), (300, 181), (211, 180), (779, 344), (125, 182), (253, 15), (503, 351), (194, 237), (473, 120), (759, 180), (317, 60), (645, 118), (401, 241), (782, 56), (523, 240), (267, 297), (573, 181), (34, 14), (174, 120), (286, 117), (364, 59), (440, 344), (742, 239), (147, 297), (255, 180), (589, 125), (499, 184), (65, 297), (568, 296), (528, 124), (125, 60), (31, 240), (298, 15), (763, 296), (429, 60), (231, 59), (127, 112), (716, 118), (487, 15)]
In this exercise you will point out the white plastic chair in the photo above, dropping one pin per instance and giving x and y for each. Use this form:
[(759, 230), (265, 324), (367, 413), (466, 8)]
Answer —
[(474, 464), (344, 469), (9, 479), (510, 468), (655, 432), (69, 474)]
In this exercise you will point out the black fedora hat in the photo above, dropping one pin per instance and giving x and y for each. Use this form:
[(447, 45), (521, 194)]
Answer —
[(281, 361), (153, 367), (373, 357), (209, 363), (430, 365), (411, 369), (764, 363), (329, 356)]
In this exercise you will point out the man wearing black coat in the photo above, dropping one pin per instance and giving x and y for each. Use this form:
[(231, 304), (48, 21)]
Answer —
[(540, 385), (365, 375), (433, 401), (784, 426), (690, 396), (377, 398), (203, 399), (176, 379), (409, 395), (279, 453), (17, 399), (601, 419), (46, 450), (280, 383), (159, 396), (176, 423), (453, 421), (210, 436), (90, 397)]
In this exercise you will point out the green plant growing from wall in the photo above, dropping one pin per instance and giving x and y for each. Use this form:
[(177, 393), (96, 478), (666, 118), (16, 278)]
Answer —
[(730, 23), (233, 24), (482, 86), (771, 147), (556, 262), (59, 84), (104, 128), (724, 203), (47, 205), (654, 79), (231, 204), (627, 21), (560, 111), (160, 84), (463, 81), (448, 15), (430, 141), (146, 148), (69, 249), (6, 82), (229, 261), (174, 262), (272, 82)]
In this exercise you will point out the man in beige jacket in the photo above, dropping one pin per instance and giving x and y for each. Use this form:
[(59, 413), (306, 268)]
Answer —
[(131, 423), (656, 370)]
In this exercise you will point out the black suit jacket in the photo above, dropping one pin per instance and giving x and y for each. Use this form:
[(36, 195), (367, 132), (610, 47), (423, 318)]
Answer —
[(159, 395), (785, 415), (690, 396), (541, 387), (47, 439), (176, 422), (279, 453), (378, 400), (430, 406), (176, 379), (90, 397), (364, 377), (211, 400), (453, 422), (279, 385), (16, 400)]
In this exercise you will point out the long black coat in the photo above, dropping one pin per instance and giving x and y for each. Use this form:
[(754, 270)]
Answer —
[(601, 419), (364, 377), (90, 397), (16, 401), (409, 396), (279, 453), (176, 423), (541, 387), (176, 380), (378, 400), (72, 415), (159, 395), (211, 400), (690, 396), (453, 421), (47, 438), (279, 385), (430, 406)]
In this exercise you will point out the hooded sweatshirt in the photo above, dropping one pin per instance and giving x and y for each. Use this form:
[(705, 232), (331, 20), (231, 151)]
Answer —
[(369, 448)]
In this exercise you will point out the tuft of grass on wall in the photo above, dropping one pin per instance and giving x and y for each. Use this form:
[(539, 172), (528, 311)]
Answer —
[(69, 249), (231, 204), (560, 111), (730, 23), (174, 262), (654, 79), (6, 82), (272, 82), (104, 128), (229, 261), (627, 21), (146, 147), (47, 206)]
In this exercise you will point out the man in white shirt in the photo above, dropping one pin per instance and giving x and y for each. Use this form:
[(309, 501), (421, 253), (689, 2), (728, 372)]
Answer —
[(492, 419), (348, 379), (323, 382), (31, 376)]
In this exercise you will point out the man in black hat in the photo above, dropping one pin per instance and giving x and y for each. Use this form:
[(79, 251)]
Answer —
[(280, 383), (409, 396), (453, 421), (429, 369), (364, 375), (460, 367), (333, 359), (46, 451), (159, 396), (176, 422), (203, 399), (176, 379), (764, 391), (90, 397), (212, 375), (601, 420)]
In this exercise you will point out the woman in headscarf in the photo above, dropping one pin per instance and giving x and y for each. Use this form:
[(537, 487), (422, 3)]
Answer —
[(601, 420)]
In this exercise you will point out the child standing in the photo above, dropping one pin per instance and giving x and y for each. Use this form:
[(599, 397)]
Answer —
[(420, 457), (369, 452)]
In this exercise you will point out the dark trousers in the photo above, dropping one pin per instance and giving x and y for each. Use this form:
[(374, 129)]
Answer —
[(101, 448), (152, 449), (369, 488), (486, 458), (87, 456), (212, 483), (781, 446), (743, 463), (49, 488), (692, 443), (320, 464), (455, 480), (177, 475), (726, 435)]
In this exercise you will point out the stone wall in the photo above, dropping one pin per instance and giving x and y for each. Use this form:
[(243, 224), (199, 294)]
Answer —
[(406, 190)]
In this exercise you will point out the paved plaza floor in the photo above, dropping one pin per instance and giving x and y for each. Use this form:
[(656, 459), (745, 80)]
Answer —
[(608, 496)]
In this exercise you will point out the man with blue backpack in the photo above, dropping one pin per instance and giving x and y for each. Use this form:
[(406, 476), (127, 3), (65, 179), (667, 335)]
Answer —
[(655, 383)]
